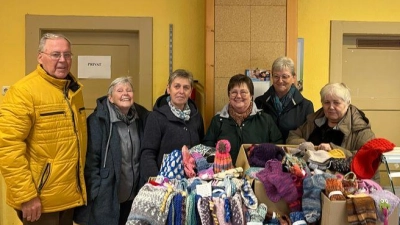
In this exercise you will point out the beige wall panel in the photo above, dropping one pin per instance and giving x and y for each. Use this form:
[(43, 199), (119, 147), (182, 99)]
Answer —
[(221, 93), (263, 54), (268, 23), (268, 2), (231, 58), (232, 2), (232, 23), (385, 124)]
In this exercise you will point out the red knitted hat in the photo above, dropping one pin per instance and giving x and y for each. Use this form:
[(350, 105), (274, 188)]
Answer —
[(367, 160)]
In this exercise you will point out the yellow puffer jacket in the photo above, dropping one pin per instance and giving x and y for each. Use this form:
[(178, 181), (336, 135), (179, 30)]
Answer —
[(43, 142)]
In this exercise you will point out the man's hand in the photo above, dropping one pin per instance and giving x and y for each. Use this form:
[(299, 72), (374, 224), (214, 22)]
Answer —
[(32, 209)]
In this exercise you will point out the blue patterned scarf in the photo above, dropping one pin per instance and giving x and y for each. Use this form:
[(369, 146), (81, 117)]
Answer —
[(185, 114)]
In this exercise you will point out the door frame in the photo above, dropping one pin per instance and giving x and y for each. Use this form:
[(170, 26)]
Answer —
[(34, 24), (341, 28)]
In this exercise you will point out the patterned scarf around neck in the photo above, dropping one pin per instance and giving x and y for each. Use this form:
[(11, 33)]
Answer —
[(239, 117), (280, 104), (185, 114)]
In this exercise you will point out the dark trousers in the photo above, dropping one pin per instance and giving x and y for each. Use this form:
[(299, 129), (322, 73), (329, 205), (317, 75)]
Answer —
[(124, 210), (54, 218)]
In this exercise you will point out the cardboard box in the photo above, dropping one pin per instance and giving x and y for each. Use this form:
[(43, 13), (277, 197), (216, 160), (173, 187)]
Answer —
[(334, 213), (281, 206)]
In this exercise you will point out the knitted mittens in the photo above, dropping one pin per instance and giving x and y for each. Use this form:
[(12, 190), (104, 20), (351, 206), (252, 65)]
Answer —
[(277, 183), (223, 160)]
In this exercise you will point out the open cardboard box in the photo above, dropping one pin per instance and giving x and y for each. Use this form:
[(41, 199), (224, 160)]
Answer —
[(281, 206), (334, 213)]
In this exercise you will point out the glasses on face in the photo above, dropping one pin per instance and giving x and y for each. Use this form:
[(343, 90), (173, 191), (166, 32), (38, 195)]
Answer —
[(284, 77), (242, 93), (57, 55)]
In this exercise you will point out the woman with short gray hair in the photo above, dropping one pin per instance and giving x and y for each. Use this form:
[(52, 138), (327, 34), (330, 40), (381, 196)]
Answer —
[(112, 162), (282, 100), (337, 125)]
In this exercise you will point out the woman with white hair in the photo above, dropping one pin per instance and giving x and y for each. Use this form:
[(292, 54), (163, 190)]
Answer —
[(337, 125), (115, 133)]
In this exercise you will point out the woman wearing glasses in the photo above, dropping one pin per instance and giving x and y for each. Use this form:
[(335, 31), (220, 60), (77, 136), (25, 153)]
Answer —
[(282, 100), (240, 122)]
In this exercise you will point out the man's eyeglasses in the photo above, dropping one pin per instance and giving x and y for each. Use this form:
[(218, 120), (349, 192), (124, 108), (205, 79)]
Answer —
[(235, 93), (284, 77), (57, 55)]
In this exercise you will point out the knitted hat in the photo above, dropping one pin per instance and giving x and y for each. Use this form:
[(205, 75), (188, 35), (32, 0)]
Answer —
[(366, 161), (320, 156), (337, 153), (264, 152), (223, 160), (172, 166), (188, 162), (204, 169), (385, 199), (340, 165)]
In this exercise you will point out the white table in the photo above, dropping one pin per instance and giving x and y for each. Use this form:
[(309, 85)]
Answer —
[(391, 157)]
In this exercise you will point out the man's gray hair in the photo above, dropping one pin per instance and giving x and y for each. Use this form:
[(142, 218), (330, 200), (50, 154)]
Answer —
[(51, 36)]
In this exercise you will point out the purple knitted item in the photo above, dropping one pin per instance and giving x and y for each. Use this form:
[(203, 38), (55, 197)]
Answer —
[(264, 152), (277, 183), (384, 199)]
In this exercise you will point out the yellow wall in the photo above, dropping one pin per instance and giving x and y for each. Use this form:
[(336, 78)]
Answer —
[(314, 18), (187, 17)]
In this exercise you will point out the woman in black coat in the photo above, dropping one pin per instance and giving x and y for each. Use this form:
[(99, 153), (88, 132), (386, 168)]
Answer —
[(175, 121), (115, 131), (282, 100)]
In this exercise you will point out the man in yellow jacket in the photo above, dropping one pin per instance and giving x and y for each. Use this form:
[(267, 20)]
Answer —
[(43, 138)]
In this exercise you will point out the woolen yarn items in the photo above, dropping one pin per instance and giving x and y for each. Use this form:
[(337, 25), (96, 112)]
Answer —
[(337, 154), (384, 199), (264, 152), (189, 163), (311, 202), (223, 159), (367, 160), (172, 166), (361, 210), (320, 156), (204, 169), (146, 205), (277, 183)]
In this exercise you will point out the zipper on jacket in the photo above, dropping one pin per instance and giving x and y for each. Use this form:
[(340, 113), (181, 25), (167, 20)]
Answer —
[(44, 177), (79, 188), (52, 113)]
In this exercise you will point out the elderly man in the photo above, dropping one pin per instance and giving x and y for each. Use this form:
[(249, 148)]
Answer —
[(43, 138)]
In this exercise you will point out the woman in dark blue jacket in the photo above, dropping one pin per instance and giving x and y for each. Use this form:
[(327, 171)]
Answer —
[(283, 101), (174, 122), (115, 131)]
